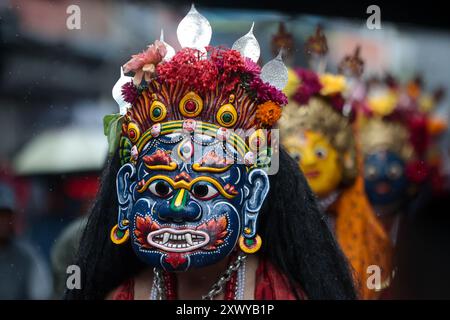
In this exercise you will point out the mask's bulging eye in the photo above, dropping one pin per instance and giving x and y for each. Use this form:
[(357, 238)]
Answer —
[(321, 153), (394, 171), (370, 172), (160, 188), (204, 191), (296, 156)]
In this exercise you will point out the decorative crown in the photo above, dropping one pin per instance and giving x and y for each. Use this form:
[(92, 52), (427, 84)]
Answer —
[(200, 86), (283, 40), (339, 91)]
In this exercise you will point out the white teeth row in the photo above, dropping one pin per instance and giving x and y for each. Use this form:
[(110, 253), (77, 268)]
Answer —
[(184, 245), (191, 239)]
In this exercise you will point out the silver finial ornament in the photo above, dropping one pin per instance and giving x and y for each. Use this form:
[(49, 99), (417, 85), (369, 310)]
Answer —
[(170, 50), (275, 72), (248, 46), (117, 92), (194, 31)]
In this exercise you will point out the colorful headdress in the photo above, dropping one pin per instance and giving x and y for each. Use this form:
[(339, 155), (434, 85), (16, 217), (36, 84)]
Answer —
[(325, 102), (211, 89), (398, 118)]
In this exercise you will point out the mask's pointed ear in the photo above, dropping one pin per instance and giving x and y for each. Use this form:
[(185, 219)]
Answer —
[(125, 184), (258, 184)]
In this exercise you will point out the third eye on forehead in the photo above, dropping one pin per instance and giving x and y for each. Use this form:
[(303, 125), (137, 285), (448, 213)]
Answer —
[(205, 150), (199, 149)]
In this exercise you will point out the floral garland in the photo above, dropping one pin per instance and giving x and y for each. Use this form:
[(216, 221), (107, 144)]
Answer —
[(204, 71), (327, 86)]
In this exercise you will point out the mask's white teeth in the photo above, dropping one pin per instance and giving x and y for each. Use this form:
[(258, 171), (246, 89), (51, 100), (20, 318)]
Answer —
[(166, 237), (188, 239)]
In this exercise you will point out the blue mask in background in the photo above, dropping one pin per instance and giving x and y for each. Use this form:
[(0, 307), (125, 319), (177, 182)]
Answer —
[(384, 178)]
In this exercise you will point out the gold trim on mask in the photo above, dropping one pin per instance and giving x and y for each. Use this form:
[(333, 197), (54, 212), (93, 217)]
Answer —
[(171, 167), (199, 168), (186, 185)]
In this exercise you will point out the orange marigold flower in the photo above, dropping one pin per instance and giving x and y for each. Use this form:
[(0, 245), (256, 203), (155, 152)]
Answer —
[(268, 113)]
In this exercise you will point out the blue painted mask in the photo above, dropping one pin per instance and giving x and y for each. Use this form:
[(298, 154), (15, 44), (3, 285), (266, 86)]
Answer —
[(385, 179), (185, 202), (195, 145)]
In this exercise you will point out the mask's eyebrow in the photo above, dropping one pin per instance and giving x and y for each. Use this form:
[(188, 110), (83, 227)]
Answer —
[(163, 167), (197, 167), (160, 160)]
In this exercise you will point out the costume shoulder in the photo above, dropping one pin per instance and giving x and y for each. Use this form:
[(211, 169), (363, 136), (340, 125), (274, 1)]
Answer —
[(271, 284), (123, 292)]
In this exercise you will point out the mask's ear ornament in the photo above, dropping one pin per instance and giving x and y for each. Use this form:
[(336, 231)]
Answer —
[(119, 236), (120, 232), (258, 187)]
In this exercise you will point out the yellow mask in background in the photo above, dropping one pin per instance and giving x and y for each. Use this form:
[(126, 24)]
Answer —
[(318, 159)]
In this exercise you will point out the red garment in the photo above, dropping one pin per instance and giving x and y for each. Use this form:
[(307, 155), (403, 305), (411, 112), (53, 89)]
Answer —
[(270, 285)]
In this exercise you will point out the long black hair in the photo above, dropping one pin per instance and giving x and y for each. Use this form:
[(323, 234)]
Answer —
[(296, 239)]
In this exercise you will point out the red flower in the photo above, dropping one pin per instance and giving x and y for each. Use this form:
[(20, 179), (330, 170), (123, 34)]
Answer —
[(418, 133), (266, 92), (129, 92), (224, 67), (309, 86), (417, 171), (251, 67)]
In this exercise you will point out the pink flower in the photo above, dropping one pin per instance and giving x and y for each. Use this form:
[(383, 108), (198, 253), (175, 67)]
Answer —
[(251, 67), (144, 64), (266, 92), (129, 92), (309, 85)]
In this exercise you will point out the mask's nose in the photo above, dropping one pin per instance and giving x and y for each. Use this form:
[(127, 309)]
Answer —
[(308, 158), (180, 209)]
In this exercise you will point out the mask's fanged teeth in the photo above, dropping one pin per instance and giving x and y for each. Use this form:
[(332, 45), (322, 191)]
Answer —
[(166, 237), (177, 240), (189, 239)]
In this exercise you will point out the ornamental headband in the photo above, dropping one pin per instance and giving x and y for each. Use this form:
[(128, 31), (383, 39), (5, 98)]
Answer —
[(215, 91)]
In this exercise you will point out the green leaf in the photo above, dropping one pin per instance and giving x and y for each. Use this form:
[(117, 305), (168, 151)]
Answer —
[(112, 128)]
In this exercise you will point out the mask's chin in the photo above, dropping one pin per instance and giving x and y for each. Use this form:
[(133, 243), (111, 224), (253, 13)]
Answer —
[(387, 202), (183, 247)]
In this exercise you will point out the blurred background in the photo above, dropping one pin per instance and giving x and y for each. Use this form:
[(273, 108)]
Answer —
[(55, 88)]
